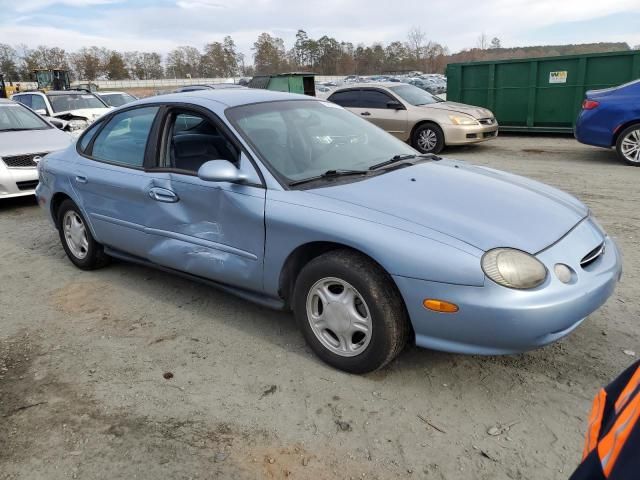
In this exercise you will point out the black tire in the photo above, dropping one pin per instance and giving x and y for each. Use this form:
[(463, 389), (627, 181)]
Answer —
[(390, 324), (429, 129), (94, 257), (621, 138)]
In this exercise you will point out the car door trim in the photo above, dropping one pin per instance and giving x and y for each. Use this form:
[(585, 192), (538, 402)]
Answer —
[(201, 242), (250, 295), (177, 236)]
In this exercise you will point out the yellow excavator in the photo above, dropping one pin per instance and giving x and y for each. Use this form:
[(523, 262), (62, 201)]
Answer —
[(52, 79), (6, 90)]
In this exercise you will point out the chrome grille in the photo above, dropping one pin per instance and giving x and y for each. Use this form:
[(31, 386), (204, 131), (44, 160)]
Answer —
[(486, 121), (592, 256), (22, 161)]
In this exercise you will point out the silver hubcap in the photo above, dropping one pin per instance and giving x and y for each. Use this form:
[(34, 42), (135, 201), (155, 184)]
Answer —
[(631, 146), (339, 317), (75, 234), (427, 140)]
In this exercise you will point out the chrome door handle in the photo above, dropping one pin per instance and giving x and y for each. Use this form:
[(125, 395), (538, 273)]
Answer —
[(81, 179), (366, 114), (163, 195)]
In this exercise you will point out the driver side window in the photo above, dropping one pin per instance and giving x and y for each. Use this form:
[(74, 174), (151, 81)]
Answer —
[(192, 140)]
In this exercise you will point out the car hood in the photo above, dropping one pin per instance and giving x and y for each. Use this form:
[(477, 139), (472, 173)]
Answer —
[(480, 206), (33, 141), (91, 114), (475, 112)]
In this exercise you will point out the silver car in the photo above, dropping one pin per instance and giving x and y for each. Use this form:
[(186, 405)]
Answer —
[(25, 137)]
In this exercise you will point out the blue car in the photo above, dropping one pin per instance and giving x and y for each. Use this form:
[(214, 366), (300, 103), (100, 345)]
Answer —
[(611, 118), (297, 204)]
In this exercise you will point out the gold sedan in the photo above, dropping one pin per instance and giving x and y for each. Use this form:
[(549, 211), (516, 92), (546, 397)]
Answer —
[(425, 121)]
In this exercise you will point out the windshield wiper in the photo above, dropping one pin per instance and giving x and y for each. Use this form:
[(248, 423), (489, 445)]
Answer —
[(14, 129), (394, 159), (330, 174), (402, 158)]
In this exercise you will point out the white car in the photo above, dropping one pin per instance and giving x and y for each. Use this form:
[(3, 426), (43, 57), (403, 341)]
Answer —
[(77, 108), (116, 99), (25, 138)]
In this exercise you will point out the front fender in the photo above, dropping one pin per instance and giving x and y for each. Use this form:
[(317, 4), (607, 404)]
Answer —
[(399, 251)]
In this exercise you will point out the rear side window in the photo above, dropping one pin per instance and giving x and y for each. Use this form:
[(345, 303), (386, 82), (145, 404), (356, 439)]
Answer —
[(347, 98), (374, 99), (88, 135), (124, 139)]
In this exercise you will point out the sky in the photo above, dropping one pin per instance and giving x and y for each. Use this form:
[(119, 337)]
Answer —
[(161, 25)]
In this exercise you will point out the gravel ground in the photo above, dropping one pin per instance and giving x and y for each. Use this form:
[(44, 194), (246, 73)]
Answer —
[(84, 358)]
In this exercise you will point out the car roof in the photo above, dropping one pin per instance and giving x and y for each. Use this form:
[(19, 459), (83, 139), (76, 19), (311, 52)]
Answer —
[(55, 92), (110, 92), (370, 85), (67, 92), (7, 101), (231, 97)]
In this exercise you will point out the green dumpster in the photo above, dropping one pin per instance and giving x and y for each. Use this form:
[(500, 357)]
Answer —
[(539, 94), (296, 82)]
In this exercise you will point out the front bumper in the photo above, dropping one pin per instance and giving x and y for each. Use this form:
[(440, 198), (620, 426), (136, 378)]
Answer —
[(464, 134), (17, 182), (496, 320)]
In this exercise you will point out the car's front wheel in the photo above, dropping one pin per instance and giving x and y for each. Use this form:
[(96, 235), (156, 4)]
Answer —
[(76, 238), (428, 138), (628, 145), (350, 312)]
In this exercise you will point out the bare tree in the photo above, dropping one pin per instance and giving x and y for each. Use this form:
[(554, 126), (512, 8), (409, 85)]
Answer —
[(483, 41), (415, 40)]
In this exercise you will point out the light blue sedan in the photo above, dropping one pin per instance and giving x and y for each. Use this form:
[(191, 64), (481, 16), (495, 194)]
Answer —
[(297, 204)]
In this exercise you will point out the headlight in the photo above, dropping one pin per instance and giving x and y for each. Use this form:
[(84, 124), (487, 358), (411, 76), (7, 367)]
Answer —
[(463, 120), (513, 268), (78, 125)]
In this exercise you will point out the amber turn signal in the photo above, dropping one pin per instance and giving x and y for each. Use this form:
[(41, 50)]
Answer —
[(440, 305)]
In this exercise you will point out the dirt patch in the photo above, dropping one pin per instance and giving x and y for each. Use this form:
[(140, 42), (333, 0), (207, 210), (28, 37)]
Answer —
[(45, 422), (81, 297)]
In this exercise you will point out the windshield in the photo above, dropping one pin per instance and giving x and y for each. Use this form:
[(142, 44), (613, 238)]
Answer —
[(302, 139), (117, 99), (74, 101), (16, 117), (414, 95)]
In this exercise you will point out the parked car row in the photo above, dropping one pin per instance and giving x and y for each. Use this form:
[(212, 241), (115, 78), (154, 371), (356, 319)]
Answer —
[(434, 83)]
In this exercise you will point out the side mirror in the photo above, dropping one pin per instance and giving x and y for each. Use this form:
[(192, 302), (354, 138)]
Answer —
[(394, 105), (221, 171), (41, 111)]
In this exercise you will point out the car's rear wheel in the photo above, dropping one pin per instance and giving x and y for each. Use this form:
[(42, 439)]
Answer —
[(350, 312), (428, 138), (628, 145), (77, 241)]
